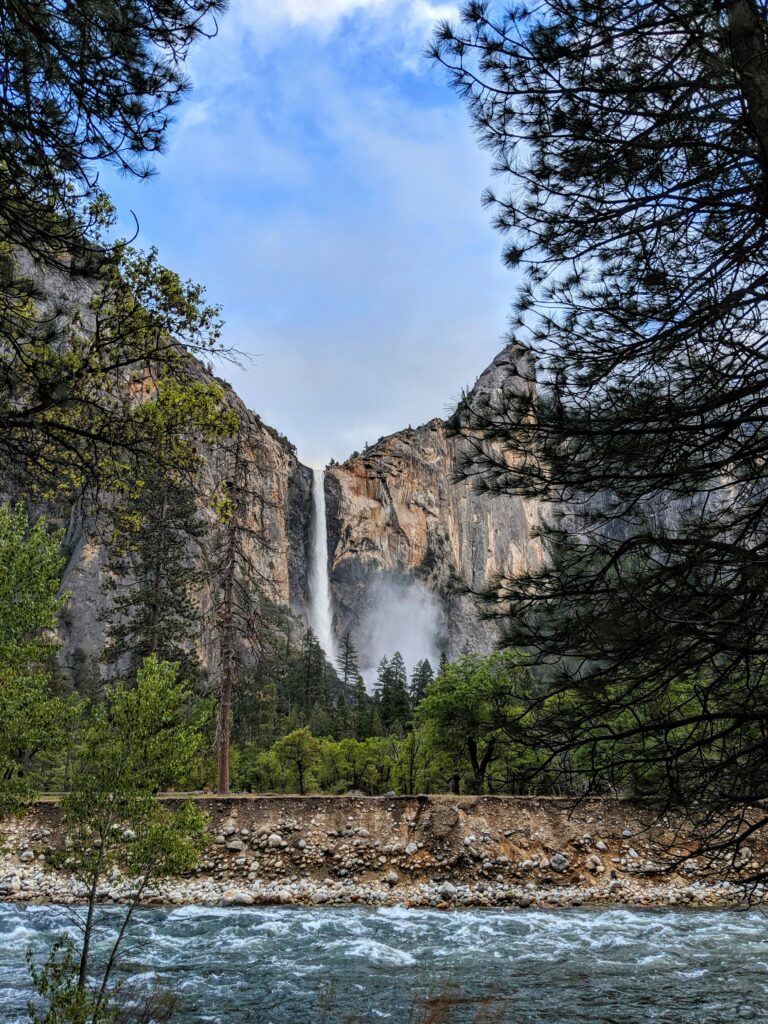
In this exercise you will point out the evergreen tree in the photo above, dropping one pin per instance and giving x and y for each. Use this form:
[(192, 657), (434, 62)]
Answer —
[(362, 706), (153, 575), (395, 706), (421, 677), (382, 678), (85, 84), (32, 719), (634, 138), (347, 661), (238, 587), (313, 671)]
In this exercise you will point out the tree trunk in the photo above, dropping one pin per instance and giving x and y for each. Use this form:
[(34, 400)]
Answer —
[(227, 636), (85, 953), (749, 48)]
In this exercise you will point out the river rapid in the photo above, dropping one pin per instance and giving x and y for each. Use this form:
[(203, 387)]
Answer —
[(273, 965)]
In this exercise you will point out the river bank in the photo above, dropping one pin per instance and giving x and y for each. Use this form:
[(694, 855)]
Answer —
[(441, 852)]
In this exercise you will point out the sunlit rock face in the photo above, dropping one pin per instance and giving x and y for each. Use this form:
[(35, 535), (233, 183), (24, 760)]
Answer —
[(397, 514), (276, 543), (409, 544)]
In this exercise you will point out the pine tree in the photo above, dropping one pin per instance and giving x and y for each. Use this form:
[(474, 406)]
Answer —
[(382, 678), (395, 706), (347, 661), (86, 84), (313, 671), (362, 707), (153, 575), (421, 677), (238, 588), (634, 140)]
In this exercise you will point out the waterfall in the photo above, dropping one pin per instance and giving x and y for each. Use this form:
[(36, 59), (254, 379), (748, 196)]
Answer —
[(320, 609)]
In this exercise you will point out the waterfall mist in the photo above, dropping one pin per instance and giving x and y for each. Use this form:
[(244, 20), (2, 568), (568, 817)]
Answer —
[(320, 608), (403, 615)]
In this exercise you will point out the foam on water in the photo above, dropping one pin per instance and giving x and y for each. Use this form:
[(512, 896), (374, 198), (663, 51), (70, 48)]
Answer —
[(294, 966)]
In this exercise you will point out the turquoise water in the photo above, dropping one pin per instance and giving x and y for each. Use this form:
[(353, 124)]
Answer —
[(297, 966)]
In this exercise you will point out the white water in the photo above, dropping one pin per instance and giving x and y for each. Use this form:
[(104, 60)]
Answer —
[(279, 965), (320, 608)]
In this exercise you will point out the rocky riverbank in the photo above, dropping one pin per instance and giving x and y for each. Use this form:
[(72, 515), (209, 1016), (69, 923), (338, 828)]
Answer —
[(441, 851)]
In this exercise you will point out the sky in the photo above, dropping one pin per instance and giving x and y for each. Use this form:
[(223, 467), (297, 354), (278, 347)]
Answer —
[(322, 181)]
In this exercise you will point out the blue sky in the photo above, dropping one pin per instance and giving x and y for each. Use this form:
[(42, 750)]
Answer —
[(322, 181)]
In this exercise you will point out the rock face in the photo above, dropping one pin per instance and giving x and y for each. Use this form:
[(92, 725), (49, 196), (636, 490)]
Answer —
[(280, 493), (397, 513), (403, 534)]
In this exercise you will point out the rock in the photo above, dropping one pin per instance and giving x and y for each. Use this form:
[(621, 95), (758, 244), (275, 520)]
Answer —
[(392, 878), (26, 856), (319, 897), (559, 862), (447, 890), (274, 840), (411, 848), (236, 845), (236, 898)]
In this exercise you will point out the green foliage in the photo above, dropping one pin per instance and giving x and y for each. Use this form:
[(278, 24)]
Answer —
[(153, 566), (633, 139), (61, 1000), (85, 83), (136, 742), (467, 708), (392, 694), (298, 754), (101, 389), (32, 719), (347, 661)]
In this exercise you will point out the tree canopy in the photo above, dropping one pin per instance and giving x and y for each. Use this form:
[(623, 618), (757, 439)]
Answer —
[(633, 141)]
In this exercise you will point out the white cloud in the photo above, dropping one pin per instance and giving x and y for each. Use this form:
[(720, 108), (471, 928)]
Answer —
[(330, 199), (401, 16)]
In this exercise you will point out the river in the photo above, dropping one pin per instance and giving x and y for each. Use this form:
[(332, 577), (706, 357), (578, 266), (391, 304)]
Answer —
[(276, 965)]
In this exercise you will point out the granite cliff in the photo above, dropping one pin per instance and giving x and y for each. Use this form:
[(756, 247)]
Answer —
[(398, 513), (402, 531)]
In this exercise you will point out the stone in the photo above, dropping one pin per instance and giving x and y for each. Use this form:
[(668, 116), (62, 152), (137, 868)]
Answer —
[(447, 890), (274, 840), (559, 862), (392, 878), (236, 898), (236, 845), (411, 848), (26, 856)]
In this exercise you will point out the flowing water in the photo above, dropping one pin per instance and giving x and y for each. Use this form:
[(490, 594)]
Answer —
[(320, 608), (301, 966)]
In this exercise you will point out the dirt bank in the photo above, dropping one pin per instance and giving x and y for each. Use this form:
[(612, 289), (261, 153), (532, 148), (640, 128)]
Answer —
[(434, 851)]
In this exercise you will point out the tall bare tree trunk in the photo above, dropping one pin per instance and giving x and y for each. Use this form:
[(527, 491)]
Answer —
[(749, 47), (227, 636)]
